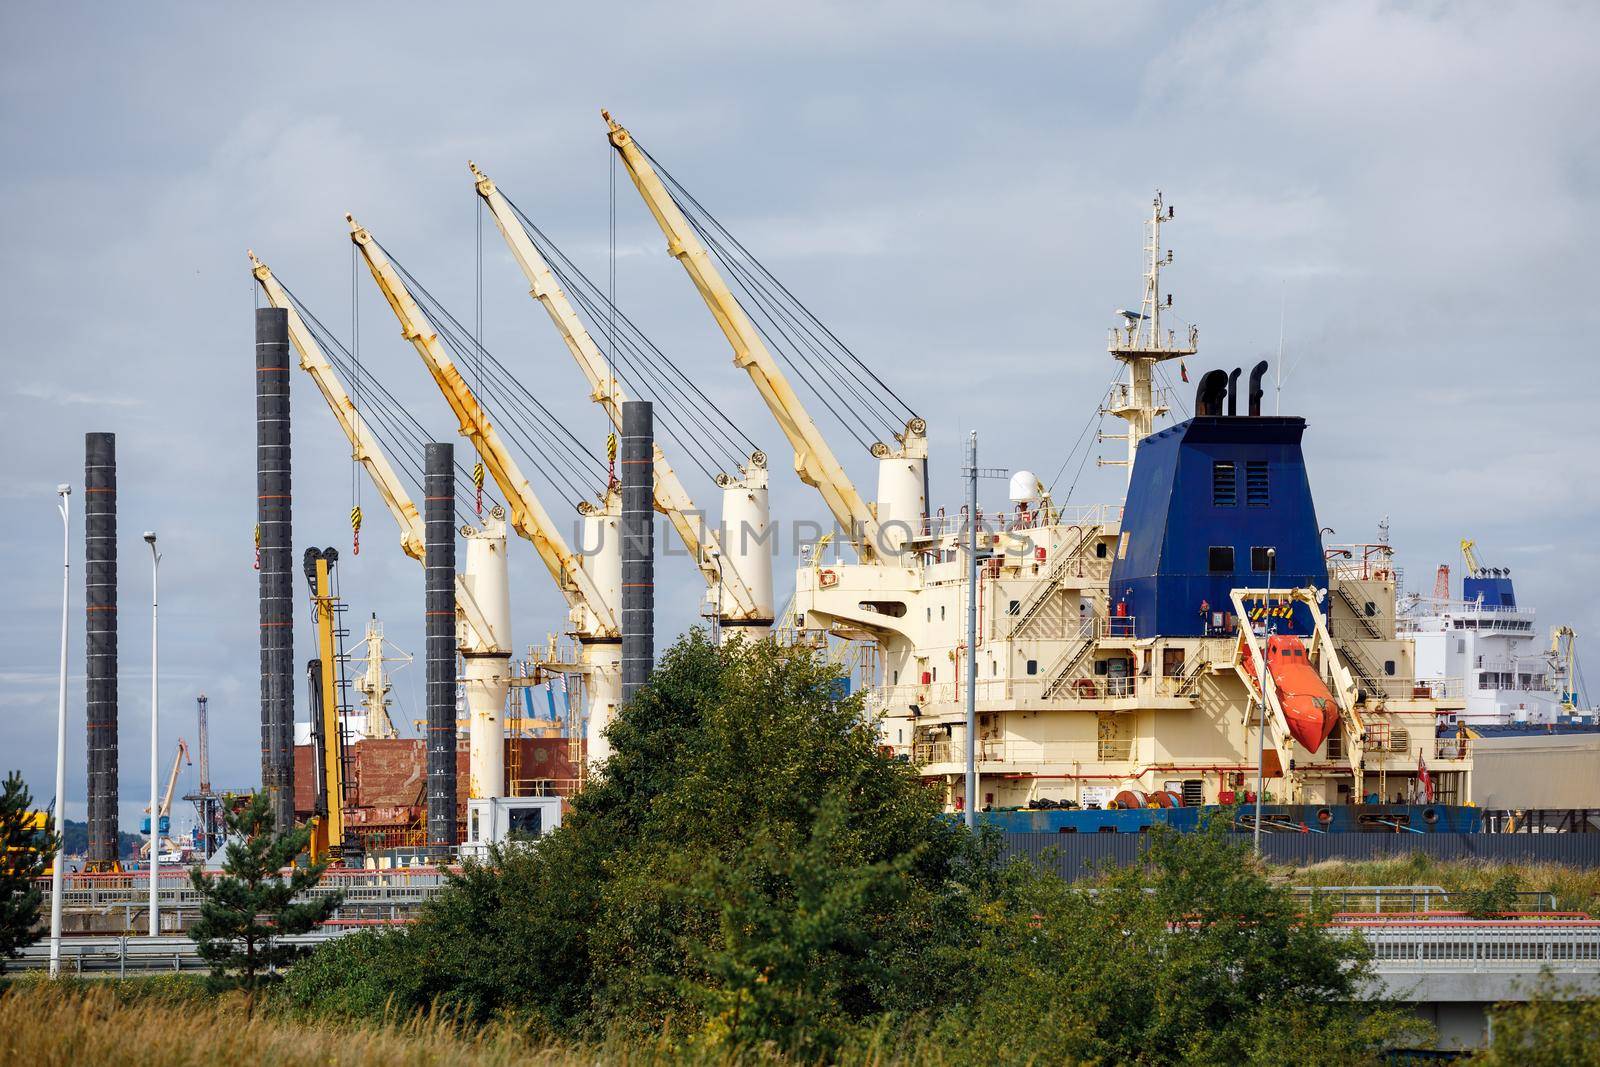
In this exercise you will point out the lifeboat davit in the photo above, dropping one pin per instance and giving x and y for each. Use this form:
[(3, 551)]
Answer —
[(1305, 700)]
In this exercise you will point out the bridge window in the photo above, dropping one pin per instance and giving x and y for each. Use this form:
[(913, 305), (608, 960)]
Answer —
[(1033, 666), (1224, 484), (1221, 559), (1255, 483), (1261, 561)]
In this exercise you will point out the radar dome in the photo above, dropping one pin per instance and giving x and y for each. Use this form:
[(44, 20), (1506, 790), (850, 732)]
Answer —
[(1025, 488)]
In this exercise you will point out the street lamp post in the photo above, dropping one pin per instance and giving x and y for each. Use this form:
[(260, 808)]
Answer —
[(155, 736), (64, 492), (1266, 676)]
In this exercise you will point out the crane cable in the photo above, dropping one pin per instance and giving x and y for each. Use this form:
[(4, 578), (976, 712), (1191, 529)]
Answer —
[(803, 331), (560, 456), (693, 421), (398, 431)]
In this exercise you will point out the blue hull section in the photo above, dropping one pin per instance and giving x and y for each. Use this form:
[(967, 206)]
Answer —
[(1286, 818)]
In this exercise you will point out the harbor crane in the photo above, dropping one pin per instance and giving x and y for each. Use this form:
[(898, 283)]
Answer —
[(741, 577), (591, 590), (483, 599), (876, 532), (161, 825)]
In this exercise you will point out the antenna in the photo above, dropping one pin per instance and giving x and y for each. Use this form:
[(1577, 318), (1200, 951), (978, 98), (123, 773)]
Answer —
[(1277, 389)]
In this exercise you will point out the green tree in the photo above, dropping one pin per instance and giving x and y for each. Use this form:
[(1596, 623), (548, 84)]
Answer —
[(1550, 1029), (1198, 959), (750, 867), (246, 908), (28, 845), (1498, 897)]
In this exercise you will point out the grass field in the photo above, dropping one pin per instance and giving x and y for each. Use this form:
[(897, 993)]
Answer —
[(179, 1021), (1575, 889)]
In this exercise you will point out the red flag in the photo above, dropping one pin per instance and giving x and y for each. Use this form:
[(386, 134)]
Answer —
[(1183, 371), (1424, 778)]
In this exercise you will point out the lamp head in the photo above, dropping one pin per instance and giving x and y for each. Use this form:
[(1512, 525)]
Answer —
[(149, 537), (63, 490)]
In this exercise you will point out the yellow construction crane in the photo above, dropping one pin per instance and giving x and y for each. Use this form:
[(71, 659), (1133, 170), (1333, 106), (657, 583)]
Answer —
[(744, 599), (528, 516), (1470, 557), (328, 830), (814, 460)]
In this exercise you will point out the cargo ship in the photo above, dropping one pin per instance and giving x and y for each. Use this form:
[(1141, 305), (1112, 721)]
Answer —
[(1114, 654)]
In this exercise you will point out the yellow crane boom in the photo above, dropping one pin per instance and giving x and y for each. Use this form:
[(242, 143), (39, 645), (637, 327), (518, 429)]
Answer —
[(528, 516), (671, 498), (364, 445), (814, 460)]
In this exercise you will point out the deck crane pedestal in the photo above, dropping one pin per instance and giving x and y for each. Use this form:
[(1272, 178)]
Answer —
[(592, 584), (876, 532), (483, 596), (739, 573)]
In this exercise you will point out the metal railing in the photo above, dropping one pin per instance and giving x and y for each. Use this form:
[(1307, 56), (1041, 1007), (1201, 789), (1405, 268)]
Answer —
[(1483, 945)]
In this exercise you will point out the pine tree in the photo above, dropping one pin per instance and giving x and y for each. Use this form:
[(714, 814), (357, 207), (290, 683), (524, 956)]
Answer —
[(244, 910), (26, 850)]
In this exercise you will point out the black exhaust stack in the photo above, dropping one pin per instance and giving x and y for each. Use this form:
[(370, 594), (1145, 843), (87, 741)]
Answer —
[(1233, 392), (1256, 392), (1208, 394), (439, 517), (100, 667), (638, 546), (274, 524)]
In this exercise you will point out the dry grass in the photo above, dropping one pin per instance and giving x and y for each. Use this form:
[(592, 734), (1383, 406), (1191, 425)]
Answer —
[(1575, 889), (138, 1022)]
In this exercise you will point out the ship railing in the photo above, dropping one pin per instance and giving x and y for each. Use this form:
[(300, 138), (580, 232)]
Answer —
[(1121, 396), (898, 699), (1013, 751), (1007, 521), (1452, 749)]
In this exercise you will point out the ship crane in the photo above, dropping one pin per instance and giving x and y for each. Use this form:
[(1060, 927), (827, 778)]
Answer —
[(902, 498), (741, 578), (593, 614), (483, 610)]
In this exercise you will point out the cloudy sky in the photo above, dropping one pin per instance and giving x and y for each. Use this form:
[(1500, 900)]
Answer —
[(956, 189)]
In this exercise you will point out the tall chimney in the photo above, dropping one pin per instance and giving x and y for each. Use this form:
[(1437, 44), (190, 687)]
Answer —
[(274, 523), (100, 585), (439, 517), (638, 546)]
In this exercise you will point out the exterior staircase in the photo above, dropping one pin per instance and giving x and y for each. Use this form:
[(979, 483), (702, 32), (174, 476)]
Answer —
[(1061, 671), (1034, 605), (1360, 613)]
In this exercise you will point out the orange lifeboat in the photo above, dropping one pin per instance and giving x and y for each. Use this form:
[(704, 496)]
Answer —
[(1305, 700)]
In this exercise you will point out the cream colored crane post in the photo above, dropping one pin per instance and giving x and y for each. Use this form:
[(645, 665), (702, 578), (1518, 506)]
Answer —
[(483, 597), (593, 614), (814, 460), (745, 575)]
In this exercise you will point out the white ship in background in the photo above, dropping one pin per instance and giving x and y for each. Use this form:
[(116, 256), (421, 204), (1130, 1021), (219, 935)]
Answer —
[(1485, 637)]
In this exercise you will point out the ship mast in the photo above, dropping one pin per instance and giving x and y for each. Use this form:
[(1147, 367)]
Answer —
[(374, 684), (1142, 342)]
